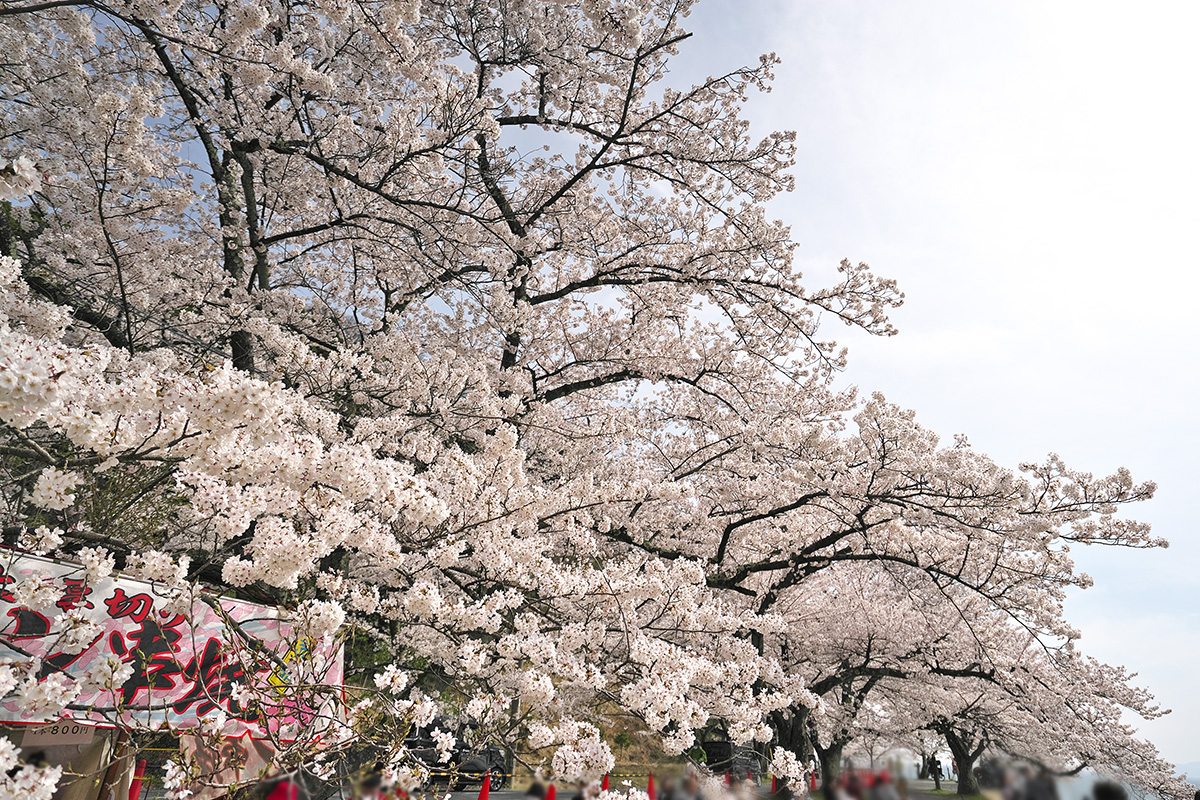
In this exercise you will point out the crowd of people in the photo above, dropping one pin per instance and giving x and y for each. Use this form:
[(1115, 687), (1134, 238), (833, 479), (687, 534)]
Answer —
[(868, 785), (1016, 783), (852, 785), (686, 787)]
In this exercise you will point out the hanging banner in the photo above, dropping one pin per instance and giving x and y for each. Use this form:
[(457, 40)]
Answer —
[(225, 764), (186, 666)]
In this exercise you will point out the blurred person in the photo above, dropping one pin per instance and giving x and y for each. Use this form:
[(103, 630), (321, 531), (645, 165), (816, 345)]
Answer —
[(839, 787), (586, 791), (883, 789), (667, 788), (853, 784), (691, 788), (744, 790), (1110, 790), (1041, 786), (536, 791), (1015, 781)]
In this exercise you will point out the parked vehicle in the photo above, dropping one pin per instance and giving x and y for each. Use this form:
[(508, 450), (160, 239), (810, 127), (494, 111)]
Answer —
[(467, 765), (723, 756)]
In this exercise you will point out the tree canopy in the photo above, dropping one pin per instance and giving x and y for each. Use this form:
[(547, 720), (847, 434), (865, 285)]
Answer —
[(458, 332)]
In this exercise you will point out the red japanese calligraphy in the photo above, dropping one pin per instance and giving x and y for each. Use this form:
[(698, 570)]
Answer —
[(75, 592), (136, 607)]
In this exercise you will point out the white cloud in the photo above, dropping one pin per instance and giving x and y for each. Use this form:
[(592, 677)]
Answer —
[(1028, 171)]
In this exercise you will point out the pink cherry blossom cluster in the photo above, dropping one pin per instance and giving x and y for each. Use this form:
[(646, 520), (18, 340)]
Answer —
[(461, 332)]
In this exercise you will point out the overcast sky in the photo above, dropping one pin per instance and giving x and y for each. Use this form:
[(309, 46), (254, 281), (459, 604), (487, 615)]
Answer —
[(1028, 171)]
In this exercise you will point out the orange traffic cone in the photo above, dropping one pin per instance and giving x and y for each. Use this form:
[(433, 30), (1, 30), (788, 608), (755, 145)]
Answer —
[(650, 786), (604, 783), (550, 792), (772, 784), (487, 787)]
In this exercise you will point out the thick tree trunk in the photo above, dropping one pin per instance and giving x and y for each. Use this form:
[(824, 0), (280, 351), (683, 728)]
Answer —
[(965, 757), (830, 759), (792, 733)]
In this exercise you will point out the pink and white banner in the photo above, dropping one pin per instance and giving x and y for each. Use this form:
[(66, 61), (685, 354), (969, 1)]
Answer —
[(185, 666)]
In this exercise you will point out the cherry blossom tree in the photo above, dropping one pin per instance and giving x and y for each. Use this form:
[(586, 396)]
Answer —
[(778, 506), (458, 332), (901, 660), (1055, 708), (295, 305)]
